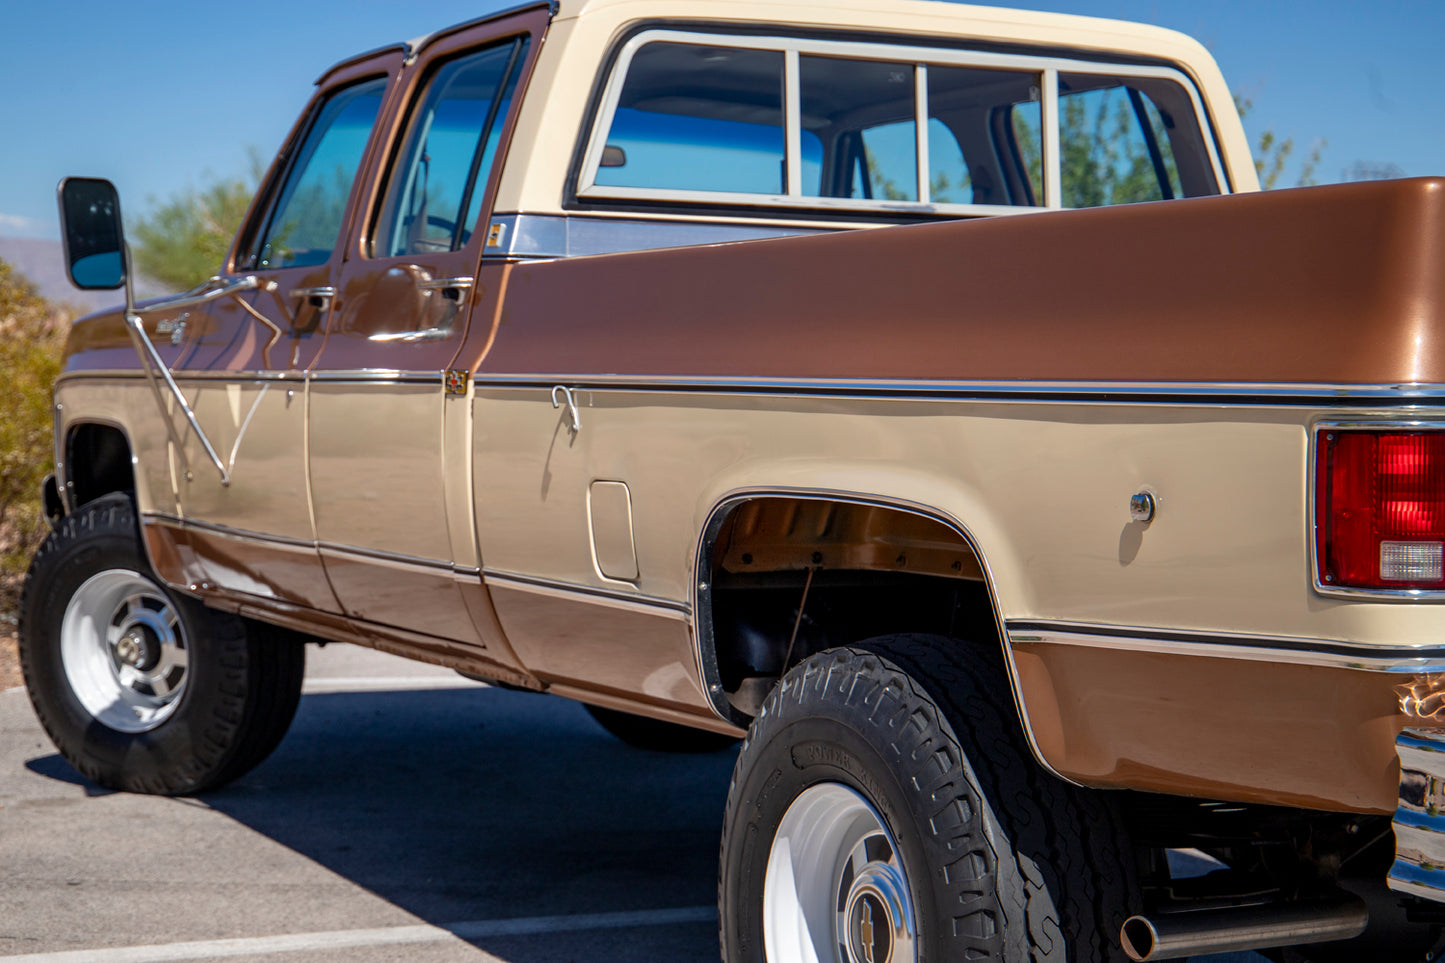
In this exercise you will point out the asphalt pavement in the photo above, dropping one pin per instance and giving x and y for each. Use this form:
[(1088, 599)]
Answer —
[(408, 815)]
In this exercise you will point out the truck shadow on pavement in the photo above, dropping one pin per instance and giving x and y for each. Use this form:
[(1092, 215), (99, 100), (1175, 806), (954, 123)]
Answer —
[(484, 804)]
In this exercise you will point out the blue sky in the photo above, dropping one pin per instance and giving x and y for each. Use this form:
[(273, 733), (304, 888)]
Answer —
[(164, 96)]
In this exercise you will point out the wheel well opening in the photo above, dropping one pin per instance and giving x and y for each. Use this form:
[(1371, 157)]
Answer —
[(97, 463), (787, 577)]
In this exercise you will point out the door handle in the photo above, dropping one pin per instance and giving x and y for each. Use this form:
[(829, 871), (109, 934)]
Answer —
[(452, 289), (316, 297)]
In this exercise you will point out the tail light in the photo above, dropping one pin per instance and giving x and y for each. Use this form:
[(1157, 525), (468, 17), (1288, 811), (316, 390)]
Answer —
[(1380, 509)]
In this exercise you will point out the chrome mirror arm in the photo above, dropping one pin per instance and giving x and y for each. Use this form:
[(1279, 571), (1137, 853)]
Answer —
[(154, 365)]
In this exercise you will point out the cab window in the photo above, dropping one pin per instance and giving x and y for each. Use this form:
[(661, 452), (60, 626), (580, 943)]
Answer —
[(434, 190), (806, 122), (306, 220)]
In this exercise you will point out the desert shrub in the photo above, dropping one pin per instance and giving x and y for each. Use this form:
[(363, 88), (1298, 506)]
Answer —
[(32, 333)]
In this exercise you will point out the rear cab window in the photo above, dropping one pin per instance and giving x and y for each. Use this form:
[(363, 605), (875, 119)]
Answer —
[(689, 117)]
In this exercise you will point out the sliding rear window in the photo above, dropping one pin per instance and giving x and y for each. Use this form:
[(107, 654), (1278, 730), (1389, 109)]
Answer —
[(719, 119)]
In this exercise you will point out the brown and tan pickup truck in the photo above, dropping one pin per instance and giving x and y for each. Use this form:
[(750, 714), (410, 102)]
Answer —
[(820, 372)]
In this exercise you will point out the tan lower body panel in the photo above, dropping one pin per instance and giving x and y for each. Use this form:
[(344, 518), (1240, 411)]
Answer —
[(205, 558), (1246, 731), (595, 648)]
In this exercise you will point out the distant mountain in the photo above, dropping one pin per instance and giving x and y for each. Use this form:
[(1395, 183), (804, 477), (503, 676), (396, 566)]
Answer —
[(43, 262)]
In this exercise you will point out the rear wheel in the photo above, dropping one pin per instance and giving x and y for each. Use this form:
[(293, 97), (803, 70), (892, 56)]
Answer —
[(886, 808), (140, 687)]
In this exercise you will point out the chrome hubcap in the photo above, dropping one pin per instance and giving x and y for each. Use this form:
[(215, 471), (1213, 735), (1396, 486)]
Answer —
[(124, 651), (835, 888)]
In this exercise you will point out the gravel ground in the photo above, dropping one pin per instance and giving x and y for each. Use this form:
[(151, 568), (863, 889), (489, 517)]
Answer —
[(9, 662)]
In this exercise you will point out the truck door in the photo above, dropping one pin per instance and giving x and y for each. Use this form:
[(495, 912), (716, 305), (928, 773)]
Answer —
[(390, 419), (244, 357)]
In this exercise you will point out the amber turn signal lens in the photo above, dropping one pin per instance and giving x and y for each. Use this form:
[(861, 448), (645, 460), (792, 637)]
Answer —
[(1380, 509)]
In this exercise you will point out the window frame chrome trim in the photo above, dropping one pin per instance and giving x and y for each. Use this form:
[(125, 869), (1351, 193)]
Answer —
[(1046, 67), (1406, 421)]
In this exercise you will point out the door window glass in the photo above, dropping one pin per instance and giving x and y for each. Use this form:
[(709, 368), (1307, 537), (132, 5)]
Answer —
[(434, 192), (307, 217)]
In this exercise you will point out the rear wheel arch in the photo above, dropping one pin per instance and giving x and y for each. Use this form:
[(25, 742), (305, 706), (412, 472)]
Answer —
[(948, 560)]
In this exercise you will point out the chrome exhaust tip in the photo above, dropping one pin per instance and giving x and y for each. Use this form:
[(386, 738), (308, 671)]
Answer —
[(1175, 935)]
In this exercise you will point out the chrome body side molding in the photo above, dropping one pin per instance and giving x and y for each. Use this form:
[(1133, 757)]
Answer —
[(1190, 393), (1406, 660), (626, 601)]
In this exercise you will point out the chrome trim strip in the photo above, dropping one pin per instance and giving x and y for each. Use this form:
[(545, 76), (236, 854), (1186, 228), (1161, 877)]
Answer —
[(1330, 653), (1093, 392), (226, 531), (369, 375), (334, 548), (702, 597), (1418, 822), (1096, 392), (255, 376), (1375, 423), (549, 236), (551, 588), (379, 376), (390, 558)]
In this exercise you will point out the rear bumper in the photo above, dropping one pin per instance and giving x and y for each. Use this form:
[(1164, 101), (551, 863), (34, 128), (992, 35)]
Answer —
[(1419, 823)]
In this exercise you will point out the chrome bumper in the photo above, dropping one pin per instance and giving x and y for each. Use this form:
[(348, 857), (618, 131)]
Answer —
[(1419, 868)]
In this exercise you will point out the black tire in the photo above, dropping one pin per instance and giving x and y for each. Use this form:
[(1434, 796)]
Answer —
[(656, 735), (225, 704), (1002, 861)]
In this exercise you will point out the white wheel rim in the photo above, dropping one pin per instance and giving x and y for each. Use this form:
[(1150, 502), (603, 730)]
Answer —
[(124, 651), (835, 890)]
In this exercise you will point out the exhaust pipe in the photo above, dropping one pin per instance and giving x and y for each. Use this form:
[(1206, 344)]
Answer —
[(1176, 935)]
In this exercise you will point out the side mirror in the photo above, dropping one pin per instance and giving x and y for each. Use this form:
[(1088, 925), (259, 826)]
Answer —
[(90, 226)]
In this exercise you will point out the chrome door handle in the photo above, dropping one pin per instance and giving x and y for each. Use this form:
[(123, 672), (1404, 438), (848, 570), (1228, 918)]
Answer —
[(451, 288), (317, 295), (317, 298)]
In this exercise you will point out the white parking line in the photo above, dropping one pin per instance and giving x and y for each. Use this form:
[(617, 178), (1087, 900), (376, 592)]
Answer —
[(389, 936)]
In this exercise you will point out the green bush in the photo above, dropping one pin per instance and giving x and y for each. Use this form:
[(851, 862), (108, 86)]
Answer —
[(32, 334)]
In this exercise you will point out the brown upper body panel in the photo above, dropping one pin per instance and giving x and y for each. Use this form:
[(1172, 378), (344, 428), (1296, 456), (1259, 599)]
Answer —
[(1339, 284)]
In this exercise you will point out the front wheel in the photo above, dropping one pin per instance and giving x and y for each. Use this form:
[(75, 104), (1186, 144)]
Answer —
[(885, 809), (139, 687)]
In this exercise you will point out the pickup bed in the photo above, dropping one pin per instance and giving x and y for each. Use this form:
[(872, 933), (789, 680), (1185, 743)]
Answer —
[(922, 392)]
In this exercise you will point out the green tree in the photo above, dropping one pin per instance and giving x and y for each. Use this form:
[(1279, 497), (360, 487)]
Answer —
[(32, 332), (1272, 153), (184, 238)]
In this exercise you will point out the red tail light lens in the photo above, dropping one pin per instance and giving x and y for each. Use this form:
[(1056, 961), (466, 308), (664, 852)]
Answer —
[(1380, 509)]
